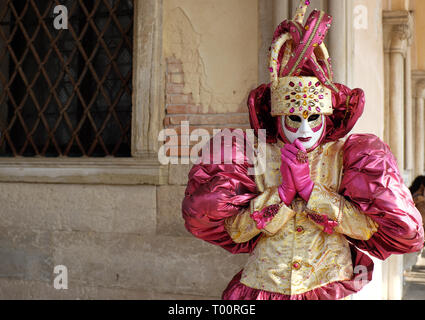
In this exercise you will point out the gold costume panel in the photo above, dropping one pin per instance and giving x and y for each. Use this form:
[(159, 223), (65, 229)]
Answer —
[(351, 221), (294, 255), (242, 227)]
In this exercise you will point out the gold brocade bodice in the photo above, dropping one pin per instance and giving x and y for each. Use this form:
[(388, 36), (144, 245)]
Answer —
[(298, 256)]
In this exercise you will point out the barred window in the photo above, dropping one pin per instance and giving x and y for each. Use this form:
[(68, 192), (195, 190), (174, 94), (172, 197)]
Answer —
[(66, 92)]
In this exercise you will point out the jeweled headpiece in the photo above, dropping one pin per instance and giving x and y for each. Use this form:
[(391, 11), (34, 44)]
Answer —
[(301, 73)]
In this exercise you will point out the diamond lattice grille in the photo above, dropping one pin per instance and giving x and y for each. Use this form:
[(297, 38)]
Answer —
[(66, 92)]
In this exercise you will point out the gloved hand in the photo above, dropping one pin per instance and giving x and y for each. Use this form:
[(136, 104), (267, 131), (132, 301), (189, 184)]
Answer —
[(264, 216), (287, 191), (296, 158)]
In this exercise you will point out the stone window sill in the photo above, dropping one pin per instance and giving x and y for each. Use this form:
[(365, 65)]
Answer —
[(111, 171)]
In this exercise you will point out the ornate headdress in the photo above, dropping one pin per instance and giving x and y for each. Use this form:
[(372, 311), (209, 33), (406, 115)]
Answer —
[(302, 83)]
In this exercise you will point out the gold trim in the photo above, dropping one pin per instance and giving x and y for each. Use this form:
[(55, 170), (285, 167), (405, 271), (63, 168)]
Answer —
[(300, 30)]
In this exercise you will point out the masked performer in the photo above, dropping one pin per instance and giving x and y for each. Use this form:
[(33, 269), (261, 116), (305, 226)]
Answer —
[(319, 196)]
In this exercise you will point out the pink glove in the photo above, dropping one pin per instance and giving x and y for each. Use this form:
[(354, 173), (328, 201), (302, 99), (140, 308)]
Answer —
[(287, 189), (296, 157), (264, 216)]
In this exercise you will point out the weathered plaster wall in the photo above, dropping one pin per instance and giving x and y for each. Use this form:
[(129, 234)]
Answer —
[(217, 42)]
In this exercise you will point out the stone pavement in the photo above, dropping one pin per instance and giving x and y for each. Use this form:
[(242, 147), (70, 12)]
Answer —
[(414, 281)]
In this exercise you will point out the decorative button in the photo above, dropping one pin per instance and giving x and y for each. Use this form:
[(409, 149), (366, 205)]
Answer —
[(300, 229), (296, 265)]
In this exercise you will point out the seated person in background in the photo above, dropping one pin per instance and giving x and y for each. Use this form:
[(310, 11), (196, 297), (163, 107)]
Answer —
[(418, 192)]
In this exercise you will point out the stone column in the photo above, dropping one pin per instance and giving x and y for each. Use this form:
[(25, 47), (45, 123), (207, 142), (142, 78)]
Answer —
[(409, 122), (281, 11), (418, 79), (148, 79), (340, 40), (398, 27), (397, 33), (387, 96), (270, 15), (420, 141), (396, 105)]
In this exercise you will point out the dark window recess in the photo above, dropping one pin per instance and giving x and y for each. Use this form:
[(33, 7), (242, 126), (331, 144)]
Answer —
[(66, 92)]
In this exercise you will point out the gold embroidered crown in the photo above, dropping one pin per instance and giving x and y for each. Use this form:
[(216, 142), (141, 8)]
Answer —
[(300, 96)]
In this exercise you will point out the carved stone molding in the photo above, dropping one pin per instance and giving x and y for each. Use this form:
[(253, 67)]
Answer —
[(418, 88), (109, 171), (148, 78), (398, 31), (418, 84)]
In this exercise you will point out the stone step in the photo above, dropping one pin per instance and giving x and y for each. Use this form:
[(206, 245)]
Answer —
[(414, 277), (414, 291), (418, 268)]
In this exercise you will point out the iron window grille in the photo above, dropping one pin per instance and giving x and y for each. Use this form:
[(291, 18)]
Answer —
[(66, 92)]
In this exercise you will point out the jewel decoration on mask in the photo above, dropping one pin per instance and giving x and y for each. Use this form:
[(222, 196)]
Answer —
[(302, 157)]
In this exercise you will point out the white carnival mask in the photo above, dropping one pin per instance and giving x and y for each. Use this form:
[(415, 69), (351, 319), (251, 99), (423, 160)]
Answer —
[(307, 130)]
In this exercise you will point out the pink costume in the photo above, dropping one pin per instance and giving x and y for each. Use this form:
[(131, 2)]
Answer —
[(307, 248)]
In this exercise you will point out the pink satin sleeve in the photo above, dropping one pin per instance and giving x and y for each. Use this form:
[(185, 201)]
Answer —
[(372, 181), (216, 192)]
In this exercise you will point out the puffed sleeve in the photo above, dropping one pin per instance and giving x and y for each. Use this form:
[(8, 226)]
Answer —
[(371, 181), (218, 189)]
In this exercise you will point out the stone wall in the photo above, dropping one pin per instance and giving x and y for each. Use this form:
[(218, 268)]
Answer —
[(129, 241), (181, 107), (118, 242)]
